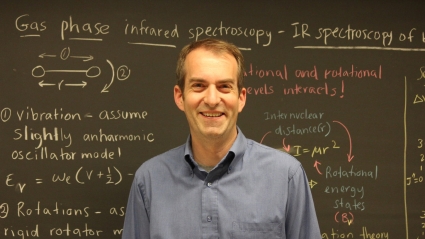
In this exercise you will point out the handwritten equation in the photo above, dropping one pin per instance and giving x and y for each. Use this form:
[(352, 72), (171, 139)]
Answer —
[(109, 175)]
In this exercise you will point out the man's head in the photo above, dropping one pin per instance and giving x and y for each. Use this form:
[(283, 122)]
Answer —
[(210, 91), (214, 45)]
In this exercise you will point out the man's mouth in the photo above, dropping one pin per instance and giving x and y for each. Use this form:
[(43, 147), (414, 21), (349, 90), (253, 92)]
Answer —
[(212, 114)]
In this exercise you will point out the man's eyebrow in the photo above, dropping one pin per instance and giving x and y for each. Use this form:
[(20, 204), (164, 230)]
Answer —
[(227, 81), (223, 81), (196, 80)]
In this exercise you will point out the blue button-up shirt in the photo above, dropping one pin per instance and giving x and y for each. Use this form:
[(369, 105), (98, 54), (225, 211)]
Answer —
[(254, 192)]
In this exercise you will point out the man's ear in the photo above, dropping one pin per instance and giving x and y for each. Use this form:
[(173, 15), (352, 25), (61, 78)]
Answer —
[(178, 97), (242, 99)]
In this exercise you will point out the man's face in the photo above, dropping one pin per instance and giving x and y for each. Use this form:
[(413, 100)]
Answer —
[(210, 100)]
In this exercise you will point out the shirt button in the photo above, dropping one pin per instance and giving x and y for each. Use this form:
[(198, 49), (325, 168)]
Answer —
[(209, 219), (209, 184)]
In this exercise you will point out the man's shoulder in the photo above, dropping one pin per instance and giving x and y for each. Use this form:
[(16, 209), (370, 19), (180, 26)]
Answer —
[(275, 153), (170, 158), (277, 158)]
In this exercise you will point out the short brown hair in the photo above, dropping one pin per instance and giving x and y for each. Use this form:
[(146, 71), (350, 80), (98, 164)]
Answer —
[(216, 46)]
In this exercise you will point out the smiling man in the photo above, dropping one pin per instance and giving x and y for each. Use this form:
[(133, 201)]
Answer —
[(219, 184)]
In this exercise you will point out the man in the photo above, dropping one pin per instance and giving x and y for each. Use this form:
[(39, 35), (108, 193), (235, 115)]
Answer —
[(219, 184)]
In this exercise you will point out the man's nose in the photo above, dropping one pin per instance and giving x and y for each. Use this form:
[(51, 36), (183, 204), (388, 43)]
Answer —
[(212, 96)]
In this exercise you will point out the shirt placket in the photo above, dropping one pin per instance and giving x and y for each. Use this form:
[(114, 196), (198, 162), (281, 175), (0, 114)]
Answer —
[(209, 210)]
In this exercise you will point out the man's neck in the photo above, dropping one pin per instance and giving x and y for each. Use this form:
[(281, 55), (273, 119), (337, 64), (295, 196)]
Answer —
[(209, 153)]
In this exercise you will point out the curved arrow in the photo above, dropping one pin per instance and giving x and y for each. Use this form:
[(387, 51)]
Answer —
[(264, 137), (287, 148), (316, 165), (105, 89), (349, 155)]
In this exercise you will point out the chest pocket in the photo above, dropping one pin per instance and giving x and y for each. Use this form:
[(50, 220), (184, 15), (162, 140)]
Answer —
[(243, 230)]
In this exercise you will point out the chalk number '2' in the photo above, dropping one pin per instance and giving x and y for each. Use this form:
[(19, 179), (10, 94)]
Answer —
[(4, 210)]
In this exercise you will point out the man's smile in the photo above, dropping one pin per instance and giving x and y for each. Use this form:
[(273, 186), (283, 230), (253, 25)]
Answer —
[(217, 114)]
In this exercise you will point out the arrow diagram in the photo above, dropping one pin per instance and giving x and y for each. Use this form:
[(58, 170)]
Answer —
[(42, 84), (316, 165), (106, 87), (86, 58), (80, 84), (287, 148), (264, 137), (349, 155), (45, 55), (92, 72)]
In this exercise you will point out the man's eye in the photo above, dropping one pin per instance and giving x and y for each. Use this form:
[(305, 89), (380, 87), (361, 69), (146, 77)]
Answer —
[(226, 88), (198, 86)]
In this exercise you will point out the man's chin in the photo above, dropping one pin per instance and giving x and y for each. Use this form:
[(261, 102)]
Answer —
[(213, 133)]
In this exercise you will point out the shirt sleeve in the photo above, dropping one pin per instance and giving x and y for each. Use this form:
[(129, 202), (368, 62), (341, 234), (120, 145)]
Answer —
[(136, 223), (301, 221)]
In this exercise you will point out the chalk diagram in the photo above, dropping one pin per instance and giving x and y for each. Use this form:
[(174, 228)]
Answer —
[(122, 73)]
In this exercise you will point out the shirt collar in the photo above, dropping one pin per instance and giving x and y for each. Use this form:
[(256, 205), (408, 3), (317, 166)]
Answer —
[(229, 163)]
